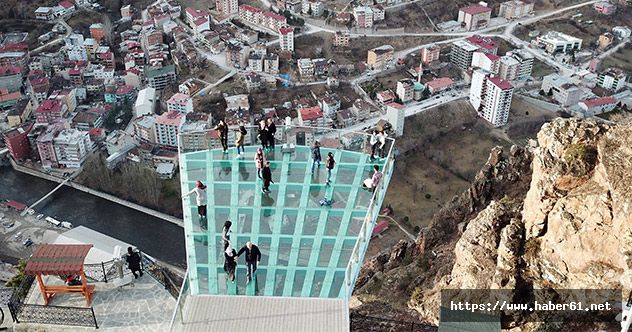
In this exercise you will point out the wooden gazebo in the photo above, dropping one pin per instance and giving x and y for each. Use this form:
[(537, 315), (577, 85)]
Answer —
[(60, 260)]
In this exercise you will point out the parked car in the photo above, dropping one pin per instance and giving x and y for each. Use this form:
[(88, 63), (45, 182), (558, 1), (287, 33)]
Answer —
[(28, 242)]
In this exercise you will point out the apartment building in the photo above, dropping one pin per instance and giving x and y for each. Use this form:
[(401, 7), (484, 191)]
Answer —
[(491, 97), (475, 17), (306, 69), (227, 8), (144, 128), (554, 42), (167, 127), (489, 62), (596, 106), (271, 64), (430, 54), (286, 39), (565, 92), (509, 68), (342, 38), (612, 79), (462, 53), (605, 7), (515, 9), (181, 103), (526, 63), (159, 77), (145, 102), (72, 147), (17, 141), (380, 58), (363, 16), (405, 90), (46, 148), (51, 111), (311, 117), (11, 78)]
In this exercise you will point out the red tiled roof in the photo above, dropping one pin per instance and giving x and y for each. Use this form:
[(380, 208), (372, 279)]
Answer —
[(439, 83), (66, 4), (285, 31), (10, 70), (311, 113), (200, 21), (170, 118), (95, 131), (482, 42), (249, 8), (14, 47), (10, 96), (475, 9), (16, 205), (49, 105), (590, 103), (124, 89), (274, 16), (195, 13), (500, 83), (57, 259)]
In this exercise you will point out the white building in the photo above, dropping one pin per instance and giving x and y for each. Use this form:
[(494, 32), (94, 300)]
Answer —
[(612, 79), (563, 90), (72, 147), (167, 127), (396, 115), (621, 32), (255, 62), (596, 106), (286, 39), (306, 68), (405, 90), (554, 42), (180, 102), (227, 7), (515, 9), (363, 16), (491, 97), (312, 8), (486, 61), (145, 102), (271, 64), (526, 63), (509, 68)]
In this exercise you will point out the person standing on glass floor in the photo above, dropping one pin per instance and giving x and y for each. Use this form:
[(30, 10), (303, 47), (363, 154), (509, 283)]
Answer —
[(330, 162), (253, 258), (316, 158), (200, 199), (222, 132)]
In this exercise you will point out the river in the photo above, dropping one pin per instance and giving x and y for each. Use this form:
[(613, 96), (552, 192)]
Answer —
[(160, 239)]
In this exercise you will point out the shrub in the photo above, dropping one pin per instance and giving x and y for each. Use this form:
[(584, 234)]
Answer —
[(428, 196)]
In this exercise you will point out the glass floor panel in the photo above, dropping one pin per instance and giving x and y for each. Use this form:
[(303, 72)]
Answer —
[(305, 247)]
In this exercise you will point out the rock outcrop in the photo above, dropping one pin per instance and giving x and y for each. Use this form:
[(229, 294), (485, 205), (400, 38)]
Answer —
[(557, 214)]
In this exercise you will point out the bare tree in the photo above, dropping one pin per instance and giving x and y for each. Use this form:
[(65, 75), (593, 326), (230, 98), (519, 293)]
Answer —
[(108, 29)]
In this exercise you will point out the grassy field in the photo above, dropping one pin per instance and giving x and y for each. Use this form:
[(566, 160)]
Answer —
[(620, 59), (81, 22)]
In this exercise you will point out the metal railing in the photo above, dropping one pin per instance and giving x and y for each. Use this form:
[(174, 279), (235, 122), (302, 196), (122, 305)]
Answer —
[(177, 320), (47, 314), (364, 323)]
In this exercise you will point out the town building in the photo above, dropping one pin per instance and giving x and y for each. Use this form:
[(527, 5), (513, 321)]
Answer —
[(605, 7), (87, 119), (273, 21), (312, 8), (159, 77), (329, 104), (605, 40), (97, 32), (363, 16), (227, 8), (346, 118), (271, 64), (180, 102), (294, 6), (44, 13), (11, 78), (144, 128), (167, 127), (509, 68), (51, 111), (192, 15), (237, 103), (286, 39), (46, 148), (515, 9), (306, 69), (396, 116), (341, 38), (565, 92), (439, 84), (72, 147), (255, 62), (595, 106), (126, 12), (249, 14), (145, 102), (405, 90), (526, 60), (8, 99), (384, 97), (17, 142), (491, 97), (612, 79), (621, 32), (430, 54), (463, 50), (311, 117), (554, 42), (236, 55), (474, 17), (363, 109), (65, 8), (486, 61), (195, 136), (380, 58), (20, 112), (253, 81)]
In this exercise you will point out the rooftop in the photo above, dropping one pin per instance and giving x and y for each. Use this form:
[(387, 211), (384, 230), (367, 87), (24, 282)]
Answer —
[(170, 118), (311, 113), (285, 31), (500, 83), (440, 82), (596, 102), (475, 9), (558, 36), (482, 42)]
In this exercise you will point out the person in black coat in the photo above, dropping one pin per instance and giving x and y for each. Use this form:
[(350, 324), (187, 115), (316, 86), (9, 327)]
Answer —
[(263, 134), (266, 173), (230, 262), (222, 129), (329, 163), (253, 257), (271, 132), (133, 262)]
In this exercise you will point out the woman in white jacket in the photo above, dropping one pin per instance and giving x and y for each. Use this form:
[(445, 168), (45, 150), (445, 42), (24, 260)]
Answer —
[(200, 198)]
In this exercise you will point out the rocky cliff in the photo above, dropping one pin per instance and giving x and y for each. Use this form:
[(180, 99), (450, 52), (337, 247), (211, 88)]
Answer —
[(556, 214)]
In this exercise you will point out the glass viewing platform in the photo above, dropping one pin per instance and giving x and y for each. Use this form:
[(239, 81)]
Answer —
[(308, 250)]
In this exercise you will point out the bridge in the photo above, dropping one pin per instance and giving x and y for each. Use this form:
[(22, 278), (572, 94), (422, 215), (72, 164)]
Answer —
[(61, 184)]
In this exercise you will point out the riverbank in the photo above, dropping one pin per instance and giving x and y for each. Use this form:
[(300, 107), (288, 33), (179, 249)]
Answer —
[(158, 238), (100, 194)]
